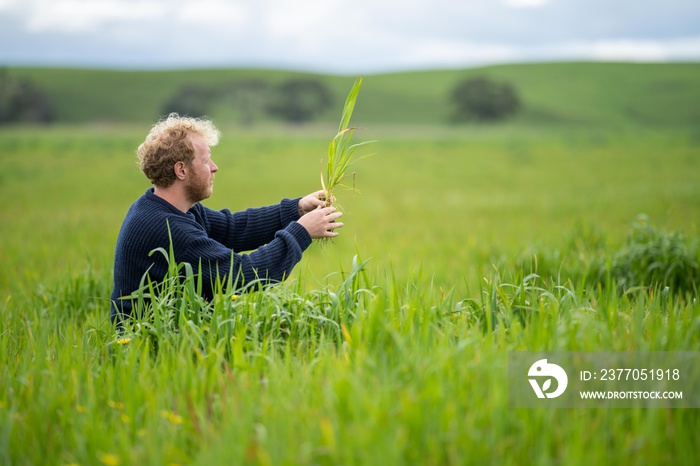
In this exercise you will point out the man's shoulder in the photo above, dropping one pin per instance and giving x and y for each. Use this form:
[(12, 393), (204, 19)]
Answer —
[(148, 213), (151, 205)]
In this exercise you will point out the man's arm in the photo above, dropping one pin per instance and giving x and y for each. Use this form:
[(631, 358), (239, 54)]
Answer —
[(270, 263), (251, 228), (254, 227)]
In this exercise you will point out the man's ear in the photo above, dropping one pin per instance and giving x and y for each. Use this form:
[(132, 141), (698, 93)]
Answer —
[(179, 169)]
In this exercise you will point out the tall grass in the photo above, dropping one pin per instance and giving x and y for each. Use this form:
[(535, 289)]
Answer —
[(649, 258), (656, 258), (374, 371)]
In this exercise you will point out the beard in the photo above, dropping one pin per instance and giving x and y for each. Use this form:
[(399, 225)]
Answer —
[(198, 189)]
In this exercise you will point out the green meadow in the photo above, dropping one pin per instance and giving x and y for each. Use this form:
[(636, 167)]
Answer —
[(573, 227)]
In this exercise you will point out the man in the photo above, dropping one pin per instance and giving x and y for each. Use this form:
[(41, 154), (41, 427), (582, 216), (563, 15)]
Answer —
[(176, 157)]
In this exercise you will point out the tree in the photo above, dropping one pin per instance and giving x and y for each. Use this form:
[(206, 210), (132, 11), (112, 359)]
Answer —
[(22, 101), (192, 99), (248, 97), (4, 95), (482, 99), (301, 99)]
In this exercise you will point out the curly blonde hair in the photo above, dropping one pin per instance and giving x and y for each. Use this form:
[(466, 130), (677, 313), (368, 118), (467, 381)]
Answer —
[(167, 143)]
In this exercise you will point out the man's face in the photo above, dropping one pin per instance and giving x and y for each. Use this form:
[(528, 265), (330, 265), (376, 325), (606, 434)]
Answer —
[(200, 179)]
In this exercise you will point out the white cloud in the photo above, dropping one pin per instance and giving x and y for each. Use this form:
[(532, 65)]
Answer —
[(213, 12), (437, 52), (645, 50), (454, 54), (638, 50), (8, 5), (526, 3), (312, 20), (76, 16)]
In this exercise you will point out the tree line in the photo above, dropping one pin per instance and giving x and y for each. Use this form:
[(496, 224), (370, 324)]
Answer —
[(296, 100), (302, 99)]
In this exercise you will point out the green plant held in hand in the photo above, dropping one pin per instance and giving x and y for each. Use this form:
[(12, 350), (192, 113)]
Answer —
[(340, 150)]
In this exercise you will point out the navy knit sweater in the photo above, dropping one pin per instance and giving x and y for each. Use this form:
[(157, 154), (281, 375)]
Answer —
[(212, 238)]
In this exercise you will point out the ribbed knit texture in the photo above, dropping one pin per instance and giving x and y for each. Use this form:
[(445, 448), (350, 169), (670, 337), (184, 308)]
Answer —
[(214, 238)]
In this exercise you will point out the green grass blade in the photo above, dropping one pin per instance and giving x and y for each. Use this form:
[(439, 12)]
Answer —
[(350, 105)]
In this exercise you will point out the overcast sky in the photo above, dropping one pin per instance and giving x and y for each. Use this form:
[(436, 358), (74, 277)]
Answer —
[(343, 36)]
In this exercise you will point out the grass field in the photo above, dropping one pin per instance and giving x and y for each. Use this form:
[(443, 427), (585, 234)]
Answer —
[(387, 346)]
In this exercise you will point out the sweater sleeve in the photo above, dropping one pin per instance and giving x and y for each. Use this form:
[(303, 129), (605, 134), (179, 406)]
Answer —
[(270, 263), (251, 228)]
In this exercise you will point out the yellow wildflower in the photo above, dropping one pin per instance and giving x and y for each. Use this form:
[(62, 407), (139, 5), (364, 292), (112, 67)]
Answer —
[(235, 297), (115, 404), (172, 417), (109, 459), (123, 341)]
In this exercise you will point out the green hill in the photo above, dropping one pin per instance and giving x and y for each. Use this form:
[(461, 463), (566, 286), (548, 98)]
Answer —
[(552, 93)]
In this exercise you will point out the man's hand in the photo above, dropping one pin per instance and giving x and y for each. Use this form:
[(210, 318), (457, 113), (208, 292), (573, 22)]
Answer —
[(321, 222), (311, 202)]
